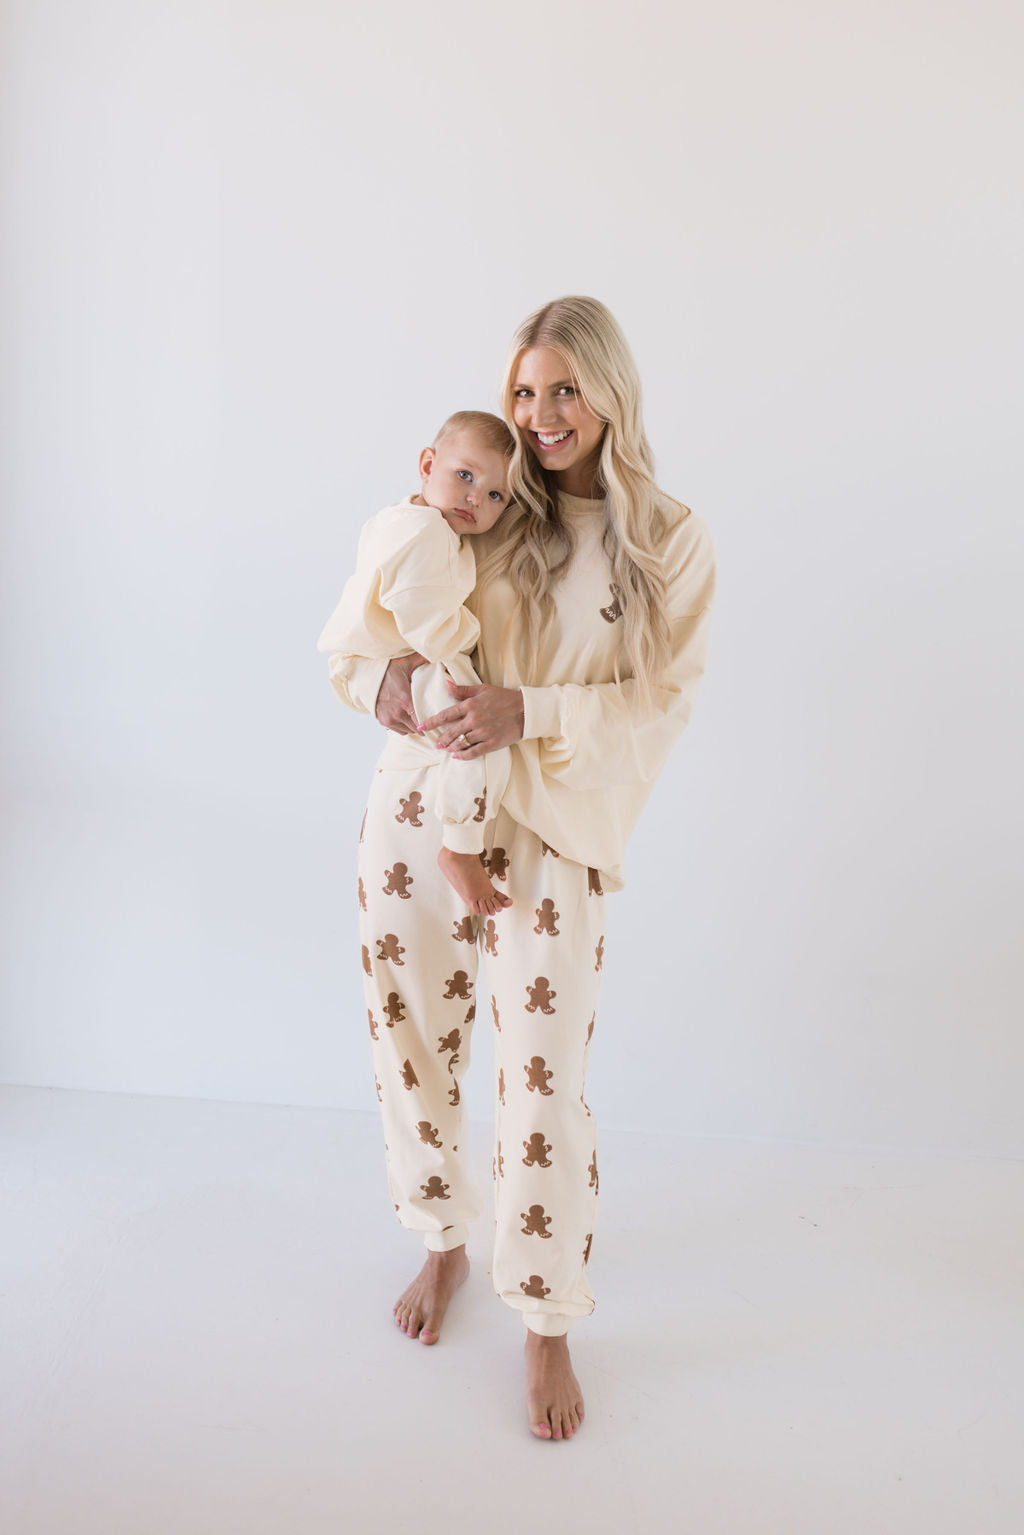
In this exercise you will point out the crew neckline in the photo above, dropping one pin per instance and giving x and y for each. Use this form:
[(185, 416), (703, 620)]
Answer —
[(589, 504)]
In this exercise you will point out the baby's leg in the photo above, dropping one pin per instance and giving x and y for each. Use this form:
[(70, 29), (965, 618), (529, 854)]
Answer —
[(461, 804)]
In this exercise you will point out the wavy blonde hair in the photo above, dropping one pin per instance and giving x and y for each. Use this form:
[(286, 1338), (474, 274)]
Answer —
[(533, 543)]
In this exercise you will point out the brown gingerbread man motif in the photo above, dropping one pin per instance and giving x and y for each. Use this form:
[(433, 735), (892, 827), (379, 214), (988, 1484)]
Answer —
[(501, 1086), (594, 882), (547, 916), (398, 881), (459, 985), (614, 608), (583, 1101), (435, 1189), (362, 894), (450, 1042), (536, 1222), (599, 953), (494, 1010), (374, 1025), (470, 1015), (545, 848), (366, 960), (586, 1250), (463, 930), (590, 1028), (408, 1076), (535, 1286), (536, 1149), (481, 806), (540, 995), (592, 1170), (454, 1097), (498, 1164), (389, 948), (376, 1083), (395, 1009), (412, 809), (428, 1134), (497, 864), (537, 1077), (490, 937)]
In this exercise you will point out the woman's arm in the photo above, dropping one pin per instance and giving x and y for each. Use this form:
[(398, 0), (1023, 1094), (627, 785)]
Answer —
[(380, 688), (598, 735)]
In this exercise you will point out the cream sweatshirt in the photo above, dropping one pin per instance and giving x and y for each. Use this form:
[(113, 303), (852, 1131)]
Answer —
[(591, 750), (412, 576)]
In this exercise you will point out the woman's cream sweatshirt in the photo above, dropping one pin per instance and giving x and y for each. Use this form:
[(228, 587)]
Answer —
[(591, 750)]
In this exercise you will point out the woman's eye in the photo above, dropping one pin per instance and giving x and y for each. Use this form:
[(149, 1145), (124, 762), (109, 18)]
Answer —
[(567, 389), (522, 394)]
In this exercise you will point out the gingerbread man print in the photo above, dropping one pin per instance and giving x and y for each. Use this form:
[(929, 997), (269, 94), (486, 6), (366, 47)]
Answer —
[(586, 1250), (434, 1188), (501, 1086), (451, 1042), (398, 881), (490, 937), (536, 1149), (592, 1170), (459, 985), (389, 948), (599, 953), (614, 608), (411, 809), (594, 886), (408, 1076), (540, 995), (545, 848), (362, 894), (454, 1096), (374, 1025), (366, 960), (481, 806), (535, 1286), (463, 930), (494, 1010), (538, 1077), (536, 1222), (395, 1009), (547, 916), (428, 1134), (497, 864)]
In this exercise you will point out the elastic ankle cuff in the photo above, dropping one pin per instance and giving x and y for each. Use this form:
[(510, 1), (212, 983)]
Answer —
[(444, 1241), (548, 1324)]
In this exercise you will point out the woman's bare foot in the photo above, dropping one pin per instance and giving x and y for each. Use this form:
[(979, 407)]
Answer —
[(419, 1310), (466, 874), (553, 1396)]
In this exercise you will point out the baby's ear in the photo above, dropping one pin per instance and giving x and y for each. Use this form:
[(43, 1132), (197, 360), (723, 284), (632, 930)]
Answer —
[(426, 463)]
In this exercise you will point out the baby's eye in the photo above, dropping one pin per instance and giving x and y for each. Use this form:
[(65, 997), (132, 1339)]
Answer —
[(496, 495), (464, 474)]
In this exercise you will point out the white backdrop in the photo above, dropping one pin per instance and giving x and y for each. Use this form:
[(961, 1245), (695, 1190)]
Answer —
[(253, 255)]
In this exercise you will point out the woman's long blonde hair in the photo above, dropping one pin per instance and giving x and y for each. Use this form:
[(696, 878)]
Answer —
[(533, 543)]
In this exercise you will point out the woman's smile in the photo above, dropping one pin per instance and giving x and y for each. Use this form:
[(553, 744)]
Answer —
[(556, 420)]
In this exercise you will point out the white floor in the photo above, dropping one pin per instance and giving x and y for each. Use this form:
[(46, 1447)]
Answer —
[(197, 1338)]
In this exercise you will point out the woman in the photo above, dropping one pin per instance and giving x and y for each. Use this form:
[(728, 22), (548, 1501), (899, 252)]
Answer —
[(593, 596)]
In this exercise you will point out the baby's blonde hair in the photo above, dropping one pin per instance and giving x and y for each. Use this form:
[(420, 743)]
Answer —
[(535, 542), (491, 428)]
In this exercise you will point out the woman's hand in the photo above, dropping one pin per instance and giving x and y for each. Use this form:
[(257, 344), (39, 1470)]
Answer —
[(394, 699), (484, 718)]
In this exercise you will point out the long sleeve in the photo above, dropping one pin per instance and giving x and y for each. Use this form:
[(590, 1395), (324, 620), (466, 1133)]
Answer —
[(602, 735)]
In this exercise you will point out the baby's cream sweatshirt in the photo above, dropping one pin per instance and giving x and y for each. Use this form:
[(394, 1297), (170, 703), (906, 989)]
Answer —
[(591, 750), (412, 576)]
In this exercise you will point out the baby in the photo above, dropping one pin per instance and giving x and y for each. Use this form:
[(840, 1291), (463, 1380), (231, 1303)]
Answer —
[(414, 570)]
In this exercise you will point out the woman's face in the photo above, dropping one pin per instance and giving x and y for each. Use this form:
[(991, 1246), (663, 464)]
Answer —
[(563, 432)]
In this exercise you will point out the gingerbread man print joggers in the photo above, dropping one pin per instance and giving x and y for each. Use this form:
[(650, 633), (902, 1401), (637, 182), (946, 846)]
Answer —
[(542, 958)]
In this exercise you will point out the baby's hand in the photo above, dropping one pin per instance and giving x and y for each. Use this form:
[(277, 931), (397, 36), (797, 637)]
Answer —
[(394, 707)]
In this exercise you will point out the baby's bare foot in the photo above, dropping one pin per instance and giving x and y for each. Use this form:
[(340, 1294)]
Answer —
[(466, 874), (553, 1396), (419, 1310)]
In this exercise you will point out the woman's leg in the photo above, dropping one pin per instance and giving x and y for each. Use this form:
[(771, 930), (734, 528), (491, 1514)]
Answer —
[(544, 966), (419, 972)]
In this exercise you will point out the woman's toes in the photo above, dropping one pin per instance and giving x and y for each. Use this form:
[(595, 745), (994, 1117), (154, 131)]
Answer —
[(541, 1428)]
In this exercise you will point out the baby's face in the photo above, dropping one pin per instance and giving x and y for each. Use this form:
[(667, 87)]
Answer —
[(465, 480)]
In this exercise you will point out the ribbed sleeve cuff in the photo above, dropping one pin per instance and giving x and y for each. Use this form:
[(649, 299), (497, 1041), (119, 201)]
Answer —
[(542, 712)]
